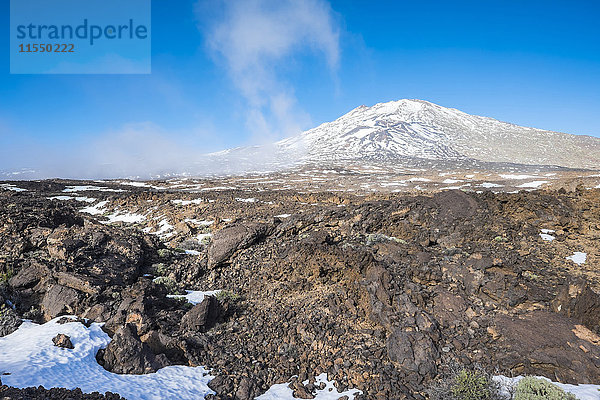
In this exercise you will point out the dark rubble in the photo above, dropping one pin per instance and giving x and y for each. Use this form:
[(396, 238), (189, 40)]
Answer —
[(383, 292)]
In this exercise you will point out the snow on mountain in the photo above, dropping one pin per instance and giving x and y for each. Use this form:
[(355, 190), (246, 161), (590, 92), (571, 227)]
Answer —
[(407, 129), (386, 130), (417, 128)]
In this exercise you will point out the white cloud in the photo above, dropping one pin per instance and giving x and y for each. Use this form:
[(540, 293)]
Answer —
[(253, 39), (141, 150)]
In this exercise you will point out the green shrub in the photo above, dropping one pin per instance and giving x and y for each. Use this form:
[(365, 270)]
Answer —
[(227, 295), (531, 388), (471, 385), (5, 276), (461, 383), (163, 253), (170, 284), (160, 269)]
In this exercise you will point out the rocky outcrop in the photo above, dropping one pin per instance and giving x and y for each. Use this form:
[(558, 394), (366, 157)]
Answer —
[(9, 320), (62, 340), (40, 393), (233, 238), (127, 354), (381, 293), (580, 302), (202, 316), (549, 344), (59, 300)]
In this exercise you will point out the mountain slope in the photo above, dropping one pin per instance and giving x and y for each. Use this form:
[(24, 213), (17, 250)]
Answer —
[(416, 128), (407, 129)]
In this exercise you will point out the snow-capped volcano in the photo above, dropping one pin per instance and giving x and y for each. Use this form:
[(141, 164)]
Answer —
[(416, 128), (406, 129)]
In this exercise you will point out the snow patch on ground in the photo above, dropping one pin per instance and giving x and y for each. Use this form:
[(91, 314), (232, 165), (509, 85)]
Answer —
[(96, 209), (248, 200), (578, 258), (8, 186), (283, 216), (582, 392), (489, 185), (195, 296), (89, 188), (204, 237), (127, 217), (31, 359), (142, 185), (164, 229), (281, 391), (451, 188), (419, 180), (545, 235), (518, 177), (534, 184), (135, 184), (450, 181), (80, 198)]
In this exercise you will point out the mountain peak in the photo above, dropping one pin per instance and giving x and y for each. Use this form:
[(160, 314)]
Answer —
[(413, 128)]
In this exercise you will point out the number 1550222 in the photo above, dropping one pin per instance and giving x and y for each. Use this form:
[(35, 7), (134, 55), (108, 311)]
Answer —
[(47, 48)]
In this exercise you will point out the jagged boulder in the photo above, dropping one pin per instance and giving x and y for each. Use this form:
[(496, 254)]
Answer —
[(233, 238), (202, 316), (59, 300), (549, 344), (413, 351), (62, 340), (9, 320), (127, 354)]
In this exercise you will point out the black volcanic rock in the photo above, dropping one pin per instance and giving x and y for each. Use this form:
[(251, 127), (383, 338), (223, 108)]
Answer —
[(62, 340), (381, 292), (9, 320), (127, 354), (202, 316)]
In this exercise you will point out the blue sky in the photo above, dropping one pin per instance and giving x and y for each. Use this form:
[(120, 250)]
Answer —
[(232, 73)]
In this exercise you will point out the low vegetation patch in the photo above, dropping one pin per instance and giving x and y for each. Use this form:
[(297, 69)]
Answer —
[(465, 384), (531, 388)]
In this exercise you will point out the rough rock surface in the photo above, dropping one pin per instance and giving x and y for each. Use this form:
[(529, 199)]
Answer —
[(9, 320), (127, 354), (231, 239), (40, 393), (202, 316), (382, 292), (62, 340)]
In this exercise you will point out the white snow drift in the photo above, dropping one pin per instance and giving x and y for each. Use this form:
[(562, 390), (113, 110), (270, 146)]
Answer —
[(578, 257), (281, 391), (195, 296), (31, 359)]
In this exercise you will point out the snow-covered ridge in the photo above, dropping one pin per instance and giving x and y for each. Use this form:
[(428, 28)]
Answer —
[(420, 129)]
